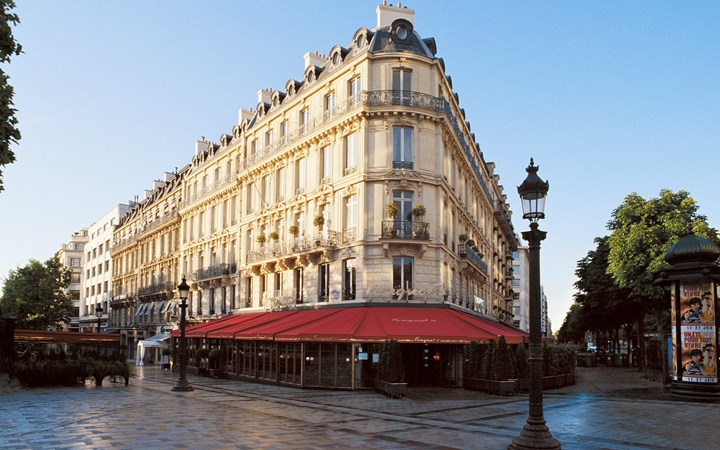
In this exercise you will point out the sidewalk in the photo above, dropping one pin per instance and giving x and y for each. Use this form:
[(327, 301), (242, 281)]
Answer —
[(596, 413)]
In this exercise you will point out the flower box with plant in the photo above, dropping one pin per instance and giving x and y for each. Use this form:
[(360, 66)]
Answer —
[(419, 211), (274, 236), (392, 210), (463, 238), (319, 221), (261, 239)]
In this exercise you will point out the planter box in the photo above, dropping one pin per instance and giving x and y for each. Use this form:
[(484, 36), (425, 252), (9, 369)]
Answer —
[(392, 390), (509, 387)]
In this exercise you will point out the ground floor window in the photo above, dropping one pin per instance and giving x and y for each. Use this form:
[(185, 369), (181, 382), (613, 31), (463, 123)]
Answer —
[(323, 282), (402, 277), (349, 279)]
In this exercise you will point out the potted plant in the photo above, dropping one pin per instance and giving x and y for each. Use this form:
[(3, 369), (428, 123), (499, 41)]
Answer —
[(214, 363), (419, 211), (392, 210), (462, 237), (470, 243), (294, 230), (390, 378), (319, 221), (261, 239), (200, 355), (274, 236)]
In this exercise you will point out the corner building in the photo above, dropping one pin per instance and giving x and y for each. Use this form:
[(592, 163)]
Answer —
[(359, 186)]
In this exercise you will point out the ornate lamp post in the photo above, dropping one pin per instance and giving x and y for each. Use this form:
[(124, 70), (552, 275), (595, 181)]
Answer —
[(182, 385), (535, 434), (99, 313)]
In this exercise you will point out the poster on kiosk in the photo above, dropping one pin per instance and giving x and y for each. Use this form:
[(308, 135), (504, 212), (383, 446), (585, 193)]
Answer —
[(697, 332)]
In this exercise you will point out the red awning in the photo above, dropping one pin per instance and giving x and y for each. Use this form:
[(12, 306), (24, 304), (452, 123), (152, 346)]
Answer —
[(200, 330), (407, 324)]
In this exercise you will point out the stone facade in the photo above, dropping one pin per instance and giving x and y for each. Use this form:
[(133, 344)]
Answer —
[(290, 207)]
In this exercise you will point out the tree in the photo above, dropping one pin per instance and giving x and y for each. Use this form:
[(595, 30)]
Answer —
[(504, 367), (642, 231), (35, 294), (9, 132)]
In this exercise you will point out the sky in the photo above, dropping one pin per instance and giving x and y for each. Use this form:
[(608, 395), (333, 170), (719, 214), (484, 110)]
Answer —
[(608, 97)]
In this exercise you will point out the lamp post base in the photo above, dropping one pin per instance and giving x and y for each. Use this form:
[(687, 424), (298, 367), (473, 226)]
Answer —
[(182, 386), (535, 436)]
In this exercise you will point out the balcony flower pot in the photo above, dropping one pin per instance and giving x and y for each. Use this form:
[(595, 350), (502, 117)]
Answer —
[(419, 212), (392, 210)]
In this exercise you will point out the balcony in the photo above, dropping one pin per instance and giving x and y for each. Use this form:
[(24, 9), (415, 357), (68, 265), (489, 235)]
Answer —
[(156, 288), (217, 271), (466, 252), (408, 165), (404, 98), (405, 229), (301, 244)]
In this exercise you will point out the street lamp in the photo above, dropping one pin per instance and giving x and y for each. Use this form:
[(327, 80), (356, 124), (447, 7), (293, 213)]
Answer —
[(182, 385), (535, 434), (99, 313)]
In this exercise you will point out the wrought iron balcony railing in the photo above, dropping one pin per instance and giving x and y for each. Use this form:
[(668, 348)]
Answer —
[(467, 252), (156, 288), (215, 271), (405, 229)]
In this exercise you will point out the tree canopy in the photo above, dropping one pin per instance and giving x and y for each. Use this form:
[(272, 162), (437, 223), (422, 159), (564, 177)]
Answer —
[(9, 133), (642, 231), (35, 294), (614, 281)]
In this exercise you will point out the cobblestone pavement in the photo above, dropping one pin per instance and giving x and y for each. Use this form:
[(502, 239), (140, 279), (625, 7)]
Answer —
[(609, 408)]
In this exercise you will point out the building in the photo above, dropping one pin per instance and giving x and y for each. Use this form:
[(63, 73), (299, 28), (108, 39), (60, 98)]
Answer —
[(521, 288), (97, 270), (349, 187), (70, 255)]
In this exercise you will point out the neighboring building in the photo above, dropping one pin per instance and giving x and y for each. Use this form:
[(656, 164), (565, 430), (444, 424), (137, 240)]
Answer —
[(97, 270), (70, 256), (545, 324), (521, 288), (290, 211), (146, 256)]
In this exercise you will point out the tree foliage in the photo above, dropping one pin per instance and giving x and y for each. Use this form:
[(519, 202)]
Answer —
[(642, 231), (35, 294), (614, 281), (9, 133)]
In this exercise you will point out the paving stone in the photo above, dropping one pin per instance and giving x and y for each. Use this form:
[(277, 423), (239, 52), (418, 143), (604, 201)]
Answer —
[(609, 408)]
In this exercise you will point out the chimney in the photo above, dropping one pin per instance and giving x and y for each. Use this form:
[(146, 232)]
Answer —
[(244, 114), (201, 147), (314, 59), (264, 95), (387, 14)]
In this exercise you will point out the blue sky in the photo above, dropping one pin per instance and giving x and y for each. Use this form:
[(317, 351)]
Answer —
[(609, 97)]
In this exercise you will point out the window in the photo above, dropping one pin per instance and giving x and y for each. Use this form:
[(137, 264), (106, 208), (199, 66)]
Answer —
[(304, 120), (402, 148), (326, 167), (266, 186), (107, 266), (349, 266), (354, 86), (351, 212), (404, 201), (253, 149), (105, 286), (278, 284), (280, 184), (300, 171), (330, 105), (401, 86), (298, 284), (323, 282), (75, 277), (248, 291), (350, 153), (100, 249), (269, 138), (284, 132), (402, 277), (74, 262)]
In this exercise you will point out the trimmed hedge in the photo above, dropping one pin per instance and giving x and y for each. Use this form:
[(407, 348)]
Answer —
[(68, 372)]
